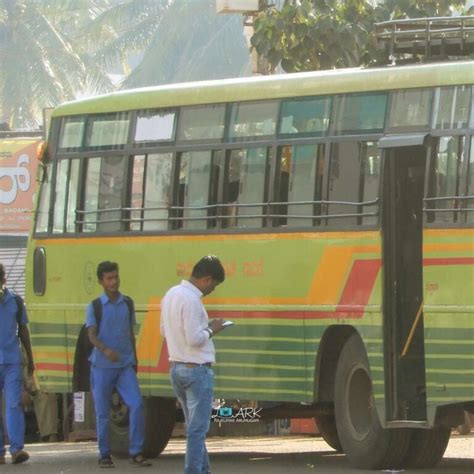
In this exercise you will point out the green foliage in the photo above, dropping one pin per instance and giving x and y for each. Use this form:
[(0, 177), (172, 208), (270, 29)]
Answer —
[(180, 40), (43, 60), (308, 35), (51, 50)]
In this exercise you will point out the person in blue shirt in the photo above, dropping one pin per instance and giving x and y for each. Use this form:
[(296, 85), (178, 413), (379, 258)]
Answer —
[(113, 365), (13, 329)]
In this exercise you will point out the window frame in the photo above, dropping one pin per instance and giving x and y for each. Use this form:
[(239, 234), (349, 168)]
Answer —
[(390, 129)]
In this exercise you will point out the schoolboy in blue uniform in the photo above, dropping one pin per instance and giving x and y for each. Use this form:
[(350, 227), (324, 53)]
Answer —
[(11, 377), (113, 363)]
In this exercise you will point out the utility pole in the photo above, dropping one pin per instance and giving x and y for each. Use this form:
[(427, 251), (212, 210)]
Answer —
[(249, 9)]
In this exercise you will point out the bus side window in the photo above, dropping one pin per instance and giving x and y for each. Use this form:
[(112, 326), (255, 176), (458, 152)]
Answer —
[(300, 182), (198, 189), (104, 194), (344, 183), (246, 188), (65, 196), (137, 192), (150, 196), (370, 181), (470, 186), (354, 178), (60, 192), (42, 212), (445, 179), (157, 197), (451, 109)]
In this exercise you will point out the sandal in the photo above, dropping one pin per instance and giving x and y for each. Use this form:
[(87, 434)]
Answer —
[(140, 460), (106, 462), (20, 456)]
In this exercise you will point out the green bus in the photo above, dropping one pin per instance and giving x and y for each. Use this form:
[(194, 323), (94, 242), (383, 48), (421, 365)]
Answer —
[(342, 205)]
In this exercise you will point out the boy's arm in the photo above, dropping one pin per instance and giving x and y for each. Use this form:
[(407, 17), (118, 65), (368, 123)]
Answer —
[(96, 342), (24, 335), (91, 324)]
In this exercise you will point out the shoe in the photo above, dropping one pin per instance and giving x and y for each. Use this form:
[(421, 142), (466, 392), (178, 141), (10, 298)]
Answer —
[(140, 460), (106, 462), (20, 456)]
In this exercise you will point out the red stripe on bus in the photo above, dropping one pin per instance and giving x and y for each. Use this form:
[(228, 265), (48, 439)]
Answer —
[(52, 366), (359, 285)]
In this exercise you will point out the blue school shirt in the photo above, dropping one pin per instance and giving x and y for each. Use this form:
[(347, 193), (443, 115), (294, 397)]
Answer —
[(10, 352), (114, 332)]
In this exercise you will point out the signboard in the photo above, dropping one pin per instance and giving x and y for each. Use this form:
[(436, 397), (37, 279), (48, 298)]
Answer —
[(18, 164)]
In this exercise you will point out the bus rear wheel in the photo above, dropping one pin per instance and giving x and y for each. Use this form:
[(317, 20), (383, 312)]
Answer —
[(427, 447), (327, 429), (364, 441), (160, 417)]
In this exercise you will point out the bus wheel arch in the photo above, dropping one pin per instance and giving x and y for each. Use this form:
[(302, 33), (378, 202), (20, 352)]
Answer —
[(366, 444), (330, 347)]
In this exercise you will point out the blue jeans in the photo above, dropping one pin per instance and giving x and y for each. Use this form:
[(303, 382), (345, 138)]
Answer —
[(11, 382), (194, 389), (103, 382)]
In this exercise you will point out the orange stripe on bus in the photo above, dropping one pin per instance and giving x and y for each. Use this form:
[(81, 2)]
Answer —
[(441, 247), (149, 340), (51, 355)]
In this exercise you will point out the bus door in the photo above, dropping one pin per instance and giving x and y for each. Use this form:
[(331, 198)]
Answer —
[(402, 233)]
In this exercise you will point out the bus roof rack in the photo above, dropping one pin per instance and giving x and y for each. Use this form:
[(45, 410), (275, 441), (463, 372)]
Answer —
[(430, 38)]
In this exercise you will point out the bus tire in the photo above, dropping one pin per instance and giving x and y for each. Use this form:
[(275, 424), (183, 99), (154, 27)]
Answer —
[(160, 417), (366, 444), (427, 447), (326, 425)]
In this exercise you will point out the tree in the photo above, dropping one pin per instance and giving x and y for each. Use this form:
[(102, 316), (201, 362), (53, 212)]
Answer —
[(42, 62), (308, 35), (178, 40)]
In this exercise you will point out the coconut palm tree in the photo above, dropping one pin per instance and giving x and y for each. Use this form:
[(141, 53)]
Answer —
[(43, 62), (178, 40)]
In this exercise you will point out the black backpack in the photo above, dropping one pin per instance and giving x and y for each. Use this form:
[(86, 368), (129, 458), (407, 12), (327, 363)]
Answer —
[(81, 369)]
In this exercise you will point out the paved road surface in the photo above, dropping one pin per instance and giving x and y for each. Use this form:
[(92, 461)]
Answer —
[(262, 455)]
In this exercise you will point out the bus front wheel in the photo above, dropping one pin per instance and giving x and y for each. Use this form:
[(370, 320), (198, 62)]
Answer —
[(364, 441), (160, 417)]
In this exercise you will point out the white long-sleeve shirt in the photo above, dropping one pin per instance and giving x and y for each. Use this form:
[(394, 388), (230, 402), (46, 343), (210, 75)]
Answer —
[(183, 324)]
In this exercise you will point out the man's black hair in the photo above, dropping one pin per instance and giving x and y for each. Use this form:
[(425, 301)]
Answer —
[(2, 272), (211, 266), (106, 267)]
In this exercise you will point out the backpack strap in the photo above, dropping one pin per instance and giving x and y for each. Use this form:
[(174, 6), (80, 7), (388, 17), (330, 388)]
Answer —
[(97, 306), (19, 308), (131, 309)]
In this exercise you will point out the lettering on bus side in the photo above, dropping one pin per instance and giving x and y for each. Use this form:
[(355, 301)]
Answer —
[(249, 268), (254, 268), (184, 269)]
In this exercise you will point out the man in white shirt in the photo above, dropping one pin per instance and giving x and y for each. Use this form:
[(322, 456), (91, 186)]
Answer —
[(188, 332)]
